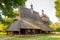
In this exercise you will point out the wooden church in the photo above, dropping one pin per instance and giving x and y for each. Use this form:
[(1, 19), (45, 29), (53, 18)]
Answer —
[(29, 22)]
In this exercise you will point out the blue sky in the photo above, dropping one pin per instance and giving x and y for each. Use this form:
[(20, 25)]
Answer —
[(46, 5)]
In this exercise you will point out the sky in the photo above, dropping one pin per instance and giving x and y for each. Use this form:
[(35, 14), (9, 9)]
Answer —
[(46, 5)]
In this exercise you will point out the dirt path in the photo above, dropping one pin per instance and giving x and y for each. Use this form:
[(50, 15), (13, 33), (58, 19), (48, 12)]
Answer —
[(6, 38), (54, 36)]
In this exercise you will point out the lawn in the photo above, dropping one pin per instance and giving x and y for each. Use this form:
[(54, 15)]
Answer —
[(34, 37)]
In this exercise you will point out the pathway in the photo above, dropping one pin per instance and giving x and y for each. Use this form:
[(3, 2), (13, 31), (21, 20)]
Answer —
[(6, 38)]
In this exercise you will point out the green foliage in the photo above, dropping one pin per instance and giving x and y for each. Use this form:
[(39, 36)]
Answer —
[(1, 18), (8, 21), (49, 22), (3, 27), (58, 29), (57, 6), (55, 25), (5, 23), (7, 6)]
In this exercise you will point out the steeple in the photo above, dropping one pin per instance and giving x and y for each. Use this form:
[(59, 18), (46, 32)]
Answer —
[(42, 12), (44, 17), (31, 6)]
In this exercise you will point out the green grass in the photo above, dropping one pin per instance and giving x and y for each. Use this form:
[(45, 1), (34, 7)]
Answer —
[(34, 37), (3, 36)]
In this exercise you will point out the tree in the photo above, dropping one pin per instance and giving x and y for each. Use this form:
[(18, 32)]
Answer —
[(3, 27), (7, 6), (8, 21), (6, 9), (58, 29), (55, 25), (57, 6)]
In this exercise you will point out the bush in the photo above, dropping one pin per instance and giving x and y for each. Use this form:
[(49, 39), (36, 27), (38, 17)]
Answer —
[(58, 29)]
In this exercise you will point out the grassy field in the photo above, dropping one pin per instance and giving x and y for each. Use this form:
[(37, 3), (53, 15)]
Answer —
[(33, 37)]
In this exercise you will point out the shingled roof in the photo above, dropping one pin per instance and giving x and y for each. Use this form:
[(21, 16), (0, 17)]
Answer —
[(44, 27), (26, 13), (14, 26), (22, 24)]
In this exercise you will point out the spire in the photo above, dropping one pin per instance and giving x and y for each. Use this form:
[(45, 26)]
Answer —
[(42, 12), (44, 17), (31, 6)]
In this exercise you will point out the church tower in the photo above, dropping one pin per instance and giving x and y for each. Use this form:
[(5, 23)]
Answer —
[(31, 8), (44, 17), (43, 12)]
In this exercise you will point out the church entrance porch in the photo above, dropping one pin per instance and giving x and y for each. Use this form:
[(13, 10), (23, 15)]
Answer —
[(26, 31), (29, 31), (37, 31)]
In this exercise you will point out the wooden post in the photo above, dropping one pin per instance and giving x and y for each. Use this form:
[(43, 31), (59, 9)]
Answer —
[(19, 32), (46, 31), (26, 32), (12, 33), (34, 31), (40, 31), (7, 32)]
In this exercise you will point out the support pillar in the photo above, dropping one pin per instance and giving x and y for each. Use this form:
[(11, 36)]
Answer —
[(19, 32), (40, 31), (33, 31), (26, 32), (10, 33), (46, 31), (7, 32)]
